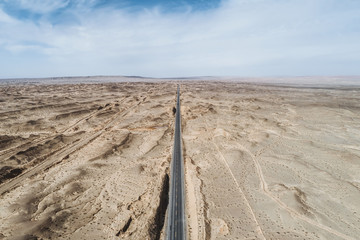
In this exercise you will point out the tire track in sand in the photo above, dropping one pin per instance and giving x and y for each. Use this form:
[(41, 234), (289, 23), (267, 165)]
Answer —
[(59, 156), (6, 153), (258, 228), (292, 212)]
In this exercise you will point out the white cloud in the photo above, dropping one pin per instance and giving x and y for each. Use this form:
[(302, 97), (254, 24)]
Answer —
[(241, 37), (5, 18), (41, 6)]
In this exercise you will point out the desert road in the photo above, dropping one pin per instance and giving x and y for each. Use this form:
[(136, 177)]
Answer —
[(176, 225), (108, 158)]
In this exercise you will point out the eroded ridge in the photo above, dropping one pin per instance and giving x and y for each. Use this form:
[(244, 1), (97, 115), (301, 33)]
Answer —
[(94, 160)]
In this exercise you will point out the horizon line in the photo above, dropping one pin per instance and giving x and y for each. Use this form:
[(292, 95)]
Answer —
[(176, 77)]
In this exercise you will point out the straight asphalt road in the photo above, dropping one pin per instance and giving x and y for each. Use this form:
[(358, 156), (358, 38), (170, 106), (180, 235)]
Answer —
[(176, 225)]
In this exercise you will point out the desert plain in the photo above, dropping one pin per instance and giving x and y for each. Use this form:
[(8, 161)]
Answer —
[(82, 160)]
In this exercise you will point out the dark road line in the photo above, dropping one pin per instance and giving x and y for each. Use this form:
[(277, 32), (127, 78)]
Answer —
[(176, 224)]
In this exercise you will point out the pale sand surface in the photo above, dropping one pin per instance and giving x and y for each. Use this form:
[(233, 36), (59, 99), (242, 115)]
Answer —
[(90, 161)]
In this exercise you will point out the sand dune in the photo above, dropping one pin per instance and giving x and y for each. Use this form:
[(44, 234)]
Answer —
[(90, 161)]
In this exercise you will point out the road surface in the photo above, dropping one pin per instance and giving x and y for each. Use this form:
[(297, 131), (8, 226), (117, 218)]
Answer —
[(176, 225)]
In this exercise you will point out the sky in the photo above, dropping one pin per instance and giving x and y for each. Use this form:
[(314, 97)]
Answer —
[(179, 38)]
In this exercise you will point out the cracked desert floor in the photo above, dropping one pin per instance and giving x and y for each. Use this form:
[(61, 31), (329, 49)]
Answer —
[(262, 161)]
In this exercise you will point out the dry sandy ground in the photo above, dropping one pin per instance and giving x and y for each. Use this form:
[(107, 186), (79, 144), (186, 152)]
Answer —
[(90, 161)]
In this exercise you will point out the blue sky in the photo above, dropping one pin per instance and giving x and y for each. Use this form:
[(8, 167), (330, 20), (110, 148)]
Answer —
[(173, 38)]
